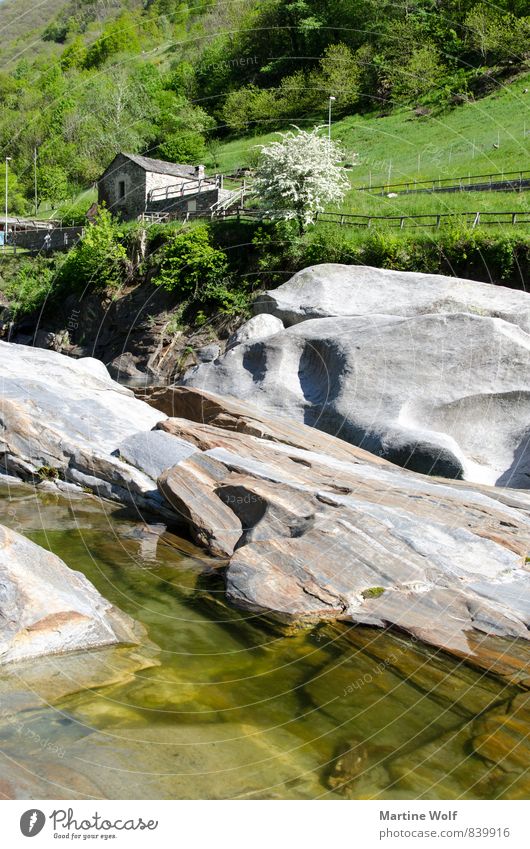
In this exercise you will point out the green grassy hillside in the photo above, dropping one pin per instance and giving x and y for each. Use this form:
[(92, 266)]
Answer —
[(486, 136)]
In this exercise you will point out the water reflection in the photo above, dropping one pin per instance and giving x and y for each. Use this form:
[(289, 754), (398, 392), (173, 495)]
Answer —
[(215, 705)]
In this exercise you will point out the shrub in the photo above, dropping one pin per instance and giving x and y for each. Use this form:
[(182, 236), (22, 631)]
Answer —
[(99, 260), (190, 264), (33, 283)]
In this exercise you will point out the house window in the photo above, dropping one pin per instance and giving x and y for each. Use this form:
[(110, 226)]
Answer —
[(121, 189)]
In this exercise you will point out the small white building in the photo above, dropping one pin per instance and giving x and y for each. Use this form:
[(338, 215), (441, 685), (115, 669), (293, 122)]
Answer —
[(133, 185)]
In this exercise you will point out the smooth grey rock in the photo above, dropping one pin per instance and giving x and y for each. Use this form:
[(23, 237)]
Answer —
[(153, 451), (442, 394), (258, 327), (208, 353), (338, 534), (46, 608), (64, 418), (331, 289)]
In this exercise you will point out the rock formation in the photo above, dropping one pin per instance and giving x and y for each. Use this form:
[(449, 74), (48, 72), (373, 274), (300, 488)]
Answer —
[(310, 533), (429, 372), (65, 421), (307, 526), (46, 608)]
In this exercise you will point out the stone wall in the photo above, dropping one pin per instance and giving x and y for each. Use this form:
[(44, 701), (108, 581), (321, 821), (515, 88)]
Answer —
[(34, 240), (133, 203), (162, 181), (199, 202)]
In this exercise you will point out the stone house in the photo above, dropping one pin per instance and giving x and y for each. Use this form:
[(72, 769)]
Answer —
[(135, 185)]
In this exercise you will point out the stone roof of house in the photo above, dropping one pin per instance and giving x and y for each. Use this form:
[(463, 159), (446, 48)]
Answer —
[(158, 166)]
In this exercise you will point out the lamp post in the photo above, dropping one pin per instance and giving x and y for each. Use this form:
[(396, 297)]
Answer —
[(35, 181), (8, 160), (331, 99)]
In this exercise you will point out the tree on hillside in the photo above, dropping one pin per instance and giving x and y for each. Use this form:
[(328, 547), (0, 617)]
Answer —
[(299, 175)]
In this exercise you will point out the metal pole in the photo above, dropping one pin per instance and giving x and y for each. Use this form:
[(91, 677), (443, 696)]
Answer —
[(331, 99), (35, 176), (8, 160)]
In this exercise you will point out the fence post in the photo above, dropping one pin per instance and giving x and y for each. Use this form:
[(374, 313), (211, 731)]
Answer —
[(477, 220)]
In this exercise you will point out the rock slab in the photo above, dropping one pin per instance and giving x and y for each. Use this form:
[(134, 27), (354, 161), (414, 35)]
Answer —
[(64, 420), (46, 608), (309, 536)]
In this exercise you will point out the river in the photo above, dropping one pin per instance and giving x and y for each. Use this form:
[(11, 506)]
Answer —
[(234, 709)]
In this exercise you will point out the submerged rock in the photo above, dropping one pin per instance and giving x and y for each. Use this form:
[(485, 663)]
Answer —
[(429, 372), (46, 608), (124, 369)]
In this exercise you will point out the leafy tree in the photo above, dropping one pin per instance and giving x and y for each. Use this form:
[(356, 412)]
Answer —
[(53, 183), (340, 74), (119, 36), (17, 203), (496, 36), (185, 147), (33, 283), (418, 76), (299, 175), (250, 106), (182, 79), (485, 29), (74, 55)]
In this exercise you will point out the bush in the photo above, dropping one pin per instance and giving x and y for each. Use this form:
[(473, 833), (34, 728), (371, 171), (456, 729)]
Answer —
[(33, 283), (190, 264), (198, 273), (99, 260)]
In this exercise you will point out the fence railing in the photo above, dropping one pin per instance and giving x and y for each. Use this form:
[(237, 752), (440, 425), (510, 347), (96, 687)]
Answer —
[(508, 180), (346, 219), (432, 220), (20, 224), (186, 187)]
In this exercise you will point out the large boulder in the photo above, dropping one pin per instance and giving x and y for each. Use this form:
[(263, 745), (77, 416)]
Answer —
[(311, 534), (331, 289), (65, 422), (420, 370), (46, 608), (258, 327)]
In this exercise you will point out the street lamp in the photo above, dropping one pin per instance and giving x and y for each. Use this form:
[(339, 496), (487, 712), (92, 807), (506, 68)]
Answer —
[(331, 99), (8, 160)]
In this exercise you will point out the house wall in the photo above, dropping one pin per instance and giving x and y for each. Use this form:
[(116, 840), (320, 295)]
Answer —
[(199, 202), (161, 181), (134, 177)]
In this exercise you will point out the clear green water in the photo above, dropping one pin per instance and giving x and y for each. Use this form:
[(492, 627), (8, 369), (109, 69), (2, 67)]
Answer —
[(234, 710)]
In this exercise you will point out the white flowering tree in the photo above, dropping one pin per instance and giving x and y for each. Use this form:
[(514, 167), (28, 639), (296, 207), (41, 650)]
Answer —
[(298, 176)]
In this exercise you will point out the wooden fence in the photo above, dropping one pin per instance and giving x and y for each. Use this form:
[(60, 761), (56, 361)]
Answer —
[(401, 222), (500, 181)]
